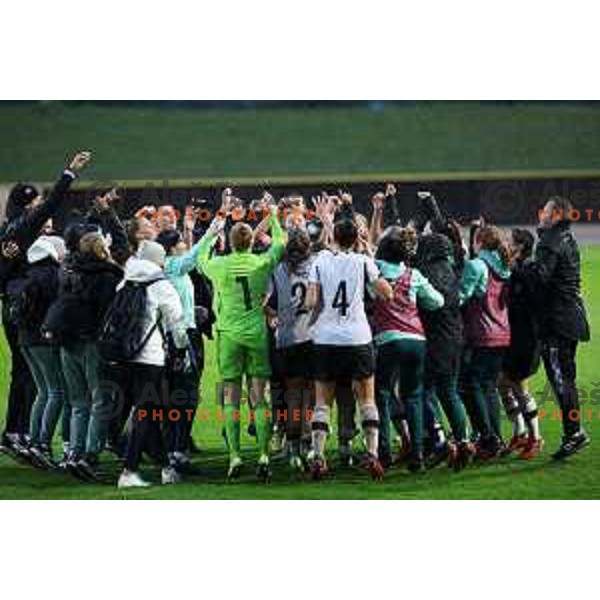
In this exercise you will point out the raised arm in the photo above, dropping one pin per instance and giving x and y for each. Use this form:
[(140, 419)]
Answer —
[(376, 224), (206, 244), (27, 227), (177, 266)]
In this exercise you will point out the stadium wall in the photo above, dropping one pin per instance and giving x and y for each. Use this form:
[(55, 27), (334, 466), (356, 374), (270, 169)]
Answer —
[(501, 198)]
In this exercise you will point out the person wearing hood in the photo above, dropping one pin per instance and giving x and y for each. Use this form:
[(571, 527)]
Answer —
[(88, 280), (142, 378), (399, 337), (444, 331), (483, 292), (563, 319), (26, 214), (37, 291)]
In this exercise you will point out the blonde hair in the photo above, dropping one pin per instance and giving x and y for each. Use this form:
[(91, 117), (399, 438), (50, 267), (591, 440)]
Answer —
[(241, 237), (94, 243)]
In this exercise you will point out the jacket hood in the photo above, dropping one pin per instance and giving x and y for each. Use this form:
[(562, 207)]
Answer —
[(45, 247), (138, 269), (434, 247), (494, 262)]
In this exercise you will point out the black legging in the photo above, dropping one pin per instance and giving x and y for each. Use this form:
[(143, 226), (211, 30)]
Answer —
[(21, 393), (561, 369), (144, 387), (183, 390)]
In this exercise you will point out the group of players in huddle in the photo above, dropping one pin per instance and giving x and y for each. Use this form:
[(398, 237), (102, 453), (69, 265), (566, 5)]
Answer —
[(408, 325)]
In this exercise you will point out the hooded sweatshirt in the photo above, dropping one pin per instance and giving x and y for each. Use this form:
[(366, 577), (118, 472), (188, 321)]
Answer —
[(443, 327), (87, 288), (163, 305), (41, 285)]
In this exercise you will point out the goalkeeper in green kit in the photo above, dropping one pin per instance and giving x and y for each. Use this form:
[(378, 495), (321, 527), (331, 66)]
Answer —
[(240, 281)]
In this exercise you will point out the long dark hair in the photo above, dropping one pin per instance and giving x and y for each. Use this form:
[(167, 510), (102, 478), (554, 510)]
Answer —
[(297, 249), (523, 238)]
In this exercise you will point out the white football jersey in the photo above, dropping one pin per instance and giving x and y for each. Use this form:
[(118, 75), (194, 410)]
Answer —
[(343, 277), (290, 289)]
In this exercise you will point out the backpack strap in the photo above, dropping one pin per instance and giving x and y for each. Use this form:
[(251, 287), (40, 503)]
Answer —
[(157, 323)]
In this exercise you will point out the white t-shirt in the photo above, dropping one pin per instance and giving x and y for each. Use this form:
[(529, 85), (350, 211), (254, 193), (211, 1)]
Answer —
[(294, 318), (343, 277)]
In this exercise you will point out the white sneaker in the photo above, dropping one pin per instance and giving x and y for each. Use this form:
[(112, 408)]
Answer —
[(130, 479), (235, 468), (170, 476)]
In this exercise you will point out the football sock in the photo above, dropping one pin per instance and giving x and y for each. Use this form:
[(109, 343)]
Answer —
[(320, 429), (370, 424), (439, 435), (232, 428), (263, 427), (513, 412), (530, 412)]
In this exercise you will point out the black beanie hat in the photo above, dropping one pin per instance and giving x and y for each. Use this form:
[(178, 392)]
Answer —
[(169, 239), (20, 196)]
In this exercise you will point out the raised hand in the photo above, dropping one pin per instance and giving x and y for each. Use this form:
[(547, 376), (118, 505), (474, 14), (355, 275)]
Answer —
[(227, 199), (324, 208), (345, 197), (390, 190), (80, 160), (378, 201), (10, 250)]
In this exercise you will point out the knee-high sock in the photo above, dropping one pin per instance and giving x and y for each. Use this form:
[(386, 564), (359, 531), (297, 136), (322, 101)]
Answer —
[(370, 424), (263, 427), (320, 429), (530, 412), (232, 428), (513, 411)]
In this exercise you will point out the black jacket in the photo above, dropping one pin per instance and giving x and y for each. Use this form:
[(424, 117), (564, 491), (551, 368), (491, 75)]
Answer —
[(42, 289), (109, 223), (522, 311), (443, 327), (557, 275), (87, 287), (24, 229)]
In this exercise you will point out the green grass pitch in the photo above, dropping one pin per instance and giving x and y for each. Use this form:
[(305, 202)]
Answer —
[(504, 479)]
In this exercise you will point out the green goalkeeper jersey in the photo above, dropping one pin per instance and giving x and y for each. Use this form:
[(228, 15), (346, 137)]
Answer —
[(240, 281)]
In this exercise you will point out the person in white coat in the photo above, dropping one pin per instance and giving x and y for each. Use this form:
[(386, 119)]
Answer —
[(142, 378)]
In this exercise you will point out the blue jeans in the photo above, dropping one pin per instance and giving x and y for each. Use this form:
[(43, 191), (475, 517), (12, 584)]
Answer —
[(90, 404), (45, 365)]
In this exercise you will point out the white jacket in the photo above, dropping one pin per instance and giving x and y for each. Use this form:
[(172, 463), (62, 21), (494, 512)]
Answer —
[(164, 303)]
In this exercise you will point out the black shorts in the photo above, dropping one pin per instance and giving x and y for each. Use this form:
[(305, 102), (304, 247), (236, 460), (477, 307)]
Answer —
[(522, 360), (295, 362), (338, 363)]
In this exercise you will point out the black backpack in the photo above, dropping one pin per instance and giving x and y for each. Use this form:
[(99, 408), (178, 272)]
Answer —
[(123, 334), (20, 299)]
